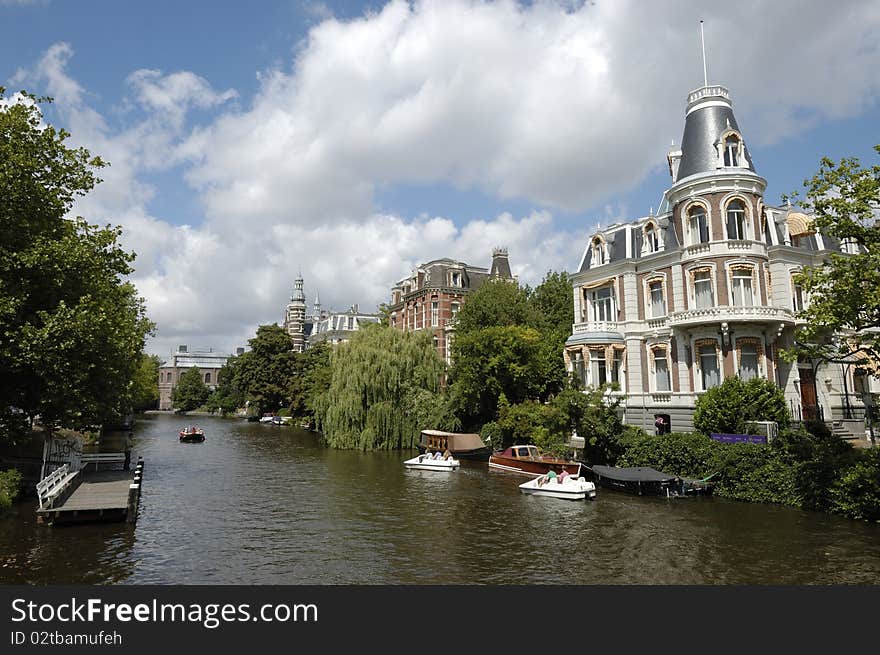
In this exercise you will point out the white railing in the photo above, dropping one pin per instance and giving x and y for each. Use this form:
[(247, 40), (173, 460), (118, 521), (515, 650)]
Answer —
[(54, 484), (101, 458), (657, 323), (736, 312), (708, 91), (596, 326)]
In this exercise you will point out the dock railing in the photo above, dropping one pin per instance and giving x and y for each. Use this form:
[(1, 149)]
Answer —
[(97, 459), (50, 488)]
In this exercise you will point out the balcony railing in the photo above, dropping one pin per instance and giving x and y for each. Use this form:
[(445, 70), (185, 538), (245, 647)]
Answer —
[(596, 326), (732, 313)]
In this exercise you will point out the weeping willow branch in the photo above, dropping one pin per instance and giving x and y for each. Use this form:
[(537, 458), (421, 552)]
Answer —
[(372, 378)]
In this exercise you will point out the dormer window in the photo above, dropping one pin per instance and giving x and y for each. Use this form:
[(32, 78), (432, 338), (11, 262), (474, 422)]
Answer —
[(698, 224), (652, 238), (455, 279), (599, 253), (736, 220), (731, 151)]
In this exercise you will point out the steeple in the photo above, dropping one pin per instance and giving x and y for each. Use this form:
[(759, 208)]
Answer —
[(298, 295)]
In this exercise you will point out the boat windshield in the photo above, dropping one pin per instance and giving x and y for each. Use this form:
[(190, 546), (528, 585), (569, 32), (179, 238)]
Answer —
[(533, 452)]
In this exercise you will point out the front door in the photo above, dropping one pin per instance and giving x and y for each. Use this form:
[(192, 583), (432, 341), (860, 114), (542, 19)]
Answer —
[(809, 404)]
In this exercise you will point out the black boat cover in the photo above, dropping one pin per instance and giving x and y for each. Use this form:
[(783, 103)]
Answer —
[(632, 473)]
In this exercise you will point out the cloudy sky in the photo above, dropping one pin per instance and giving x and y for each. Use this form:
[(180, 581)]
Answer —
[(353, 140)]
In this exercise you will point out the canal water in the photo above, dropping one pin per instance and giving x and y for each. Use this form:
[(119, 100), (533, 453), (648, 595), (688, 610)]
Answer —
[(261, 504)]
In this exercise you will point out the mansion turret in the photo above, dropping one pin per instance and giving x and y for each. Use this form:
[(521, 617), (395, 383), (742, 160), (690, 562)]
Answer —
[(670, 304)]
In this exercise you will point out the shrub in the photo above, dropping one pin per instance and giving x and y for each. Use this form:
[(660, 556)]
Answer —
[(732, 406), (679, 453), (856, 492), (10, 486), (754, 472)]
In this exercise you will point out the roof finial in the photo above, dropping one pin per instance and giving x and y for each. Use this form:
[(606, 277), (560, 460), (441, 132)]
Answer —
[(703, 43)]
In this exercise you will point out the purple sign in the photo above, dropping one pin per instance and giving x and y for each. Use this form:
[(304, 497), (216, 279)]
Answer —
[(738, 438)]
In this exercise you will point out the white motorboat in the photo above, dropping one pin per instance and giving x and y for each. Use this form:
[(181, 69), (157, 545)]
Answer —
[(567, 486), (428, 462)]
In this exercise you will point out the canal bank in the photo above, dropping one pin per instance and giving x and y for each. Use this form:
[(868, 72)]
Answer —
[(263, 504)]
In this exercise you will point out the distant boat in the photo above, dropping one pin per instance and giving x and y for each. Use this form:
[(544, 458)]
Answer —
[(191, 434), (267, 418), (461, 445), (528, 460)]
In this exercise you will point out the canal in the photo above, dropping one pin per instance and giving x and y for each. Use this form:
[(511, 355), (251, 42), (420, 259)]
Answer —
[(260, 504)]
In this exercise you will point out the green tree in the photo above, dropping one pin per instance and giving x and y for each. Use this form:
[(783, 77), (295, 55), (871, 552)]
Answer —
[(311, 378), (844, 292), (72, 328), (733, 406), (490, 362), (372, 382), (226, 397), (263, 374), (145, 385), (497, 303), (190, 392)]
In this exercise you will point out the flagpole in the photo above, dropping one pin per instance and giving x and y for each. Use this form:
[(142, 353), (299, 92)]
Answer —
[(703, 43)]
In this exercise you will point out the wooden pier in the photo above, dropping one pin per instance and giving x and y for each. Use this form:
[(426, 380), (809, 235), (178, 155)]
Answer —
[(89, 496)]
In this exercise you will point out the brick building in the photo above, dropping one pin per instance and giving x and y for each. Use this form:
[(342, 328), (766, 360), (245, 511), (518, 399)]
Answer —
[(430, 297)]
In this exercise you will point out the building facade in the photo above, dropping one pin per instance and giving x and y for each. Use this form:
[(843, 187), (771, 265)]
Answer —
[(338, 327), (668, 305), (207, 361), (431, 296)]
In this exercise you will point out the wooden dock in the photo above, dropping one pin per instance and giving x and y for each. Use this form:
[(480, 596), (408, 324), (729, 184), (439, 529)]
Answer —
[(93, 496)]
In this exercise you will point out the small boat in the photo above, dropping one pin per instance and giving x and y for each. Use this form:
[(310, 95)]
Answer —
[(527, 460), (282, 420), (560, 486), (430, 462), (267, 418), (192, 434), (644, 480), (461, 445)]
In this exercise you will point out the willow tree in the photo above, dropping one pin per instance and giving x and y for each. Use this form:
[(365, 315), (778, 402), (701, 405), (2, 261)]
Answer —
[(368, 405)]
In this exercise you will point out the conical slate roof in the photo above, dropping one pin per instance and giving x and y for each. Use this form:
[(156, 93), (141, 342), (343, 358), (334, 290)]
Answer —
[(709, 115)]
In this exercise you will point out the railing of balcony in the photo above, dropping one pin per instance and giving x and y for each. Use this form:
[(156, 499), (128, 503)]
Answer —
[(732, 312), (596, 326)]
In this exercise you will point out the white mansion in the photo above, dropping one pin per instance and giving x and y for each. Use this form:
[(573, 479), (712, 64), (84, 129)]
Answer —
[(669, 305)]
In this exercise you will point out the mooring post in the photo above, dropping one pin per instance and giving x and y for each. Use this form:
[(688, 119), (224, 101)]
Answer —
[(134, 491)]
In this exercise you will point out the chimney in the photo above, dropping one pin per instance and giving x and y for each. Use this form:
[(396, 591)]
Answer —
[(239, 351), (181, 349)]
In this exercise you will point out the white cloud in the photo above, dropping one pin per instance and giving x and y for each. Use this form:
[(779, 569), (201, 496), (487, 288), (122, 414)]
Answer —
[(563, 105)]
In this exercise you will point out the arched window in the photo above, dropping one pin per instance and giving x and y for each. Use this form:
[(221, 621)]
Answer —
[(704, 293), (742, 286), (698, 224), (656, 298), (707, 356), (731, 150), (661, 368), (736, 220), (652, 240), (748, 353), (598, 251)]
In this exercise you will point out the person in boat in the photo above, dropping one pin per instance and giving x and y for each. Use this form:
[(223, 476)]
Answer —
[(561, 477), (447, 454)]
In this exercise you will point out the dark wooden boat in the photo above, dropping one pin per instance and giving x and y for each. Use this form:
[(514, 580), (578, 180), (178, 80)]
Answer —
[(643, 480), (528, 460), (461, 445), (191, 434)]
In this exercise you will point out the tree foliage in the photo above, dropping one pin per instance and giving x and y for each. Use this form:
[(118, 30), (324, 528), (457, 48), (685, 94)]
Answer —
[(844, 292), (144, 389), (190, 392), (226, 397), (263, 374), (72, 330), (509, 341), (733, 406), (373, 383), (311, 378)]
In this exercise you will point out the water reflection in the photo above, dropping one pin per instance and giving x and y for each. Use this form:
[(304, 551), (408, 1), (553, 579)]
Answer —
[(258, 504)]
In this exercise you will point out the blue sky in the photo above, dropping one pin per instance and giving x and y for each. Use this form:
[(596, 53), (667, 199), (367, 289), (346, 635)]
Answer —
[(354, 140)]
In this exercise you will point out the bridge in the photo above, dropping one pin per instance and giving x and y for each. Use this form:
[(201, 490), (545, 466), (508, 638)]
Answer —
[(72, 494)]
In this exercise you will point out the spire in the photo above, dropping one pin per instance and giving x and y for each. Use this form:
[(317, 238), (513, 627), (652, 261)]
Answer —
[(298, 295)]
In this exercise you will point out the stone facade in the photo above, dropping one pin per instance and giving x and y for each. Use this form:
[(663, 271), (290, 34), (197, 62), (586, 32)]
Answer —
[(670, 304), (207, 361), (431, 296)]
